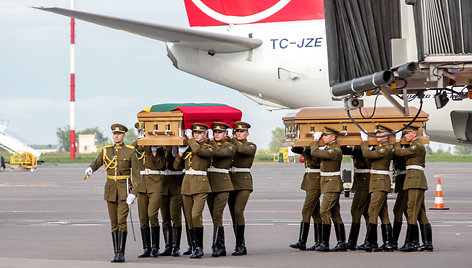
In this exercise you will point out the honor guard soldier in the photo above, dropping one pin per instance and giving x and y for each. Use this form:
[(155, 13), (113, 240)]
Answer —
[(361, 200), (117, 160), (415, 183), (171, 204), (311, 206), (195, 185), (380, 185), (242, 182), (220, 182), (331, 187), (399, 208)]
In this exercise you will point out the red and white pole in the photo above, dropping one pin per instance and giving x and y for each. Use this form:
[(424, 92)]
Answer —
[(72, 84)]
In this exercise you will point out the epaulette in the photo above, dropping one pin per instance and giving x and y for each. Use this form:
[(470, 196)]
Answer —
[(107, 146), (129, 147)]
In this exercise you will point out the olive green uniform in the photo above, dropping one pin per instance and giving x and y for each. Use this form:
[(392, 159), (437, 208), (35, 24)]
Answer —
[(331, 185), (195, 185), (241, 179), (117, 160), (380, 159), (415, 180), (171, 202), (399, 163), (360, 188), (220, 180)]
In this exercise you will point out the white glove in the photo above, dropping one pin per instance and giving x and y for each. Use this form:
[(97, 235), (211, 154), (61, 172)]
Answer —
[(210, 134), (322, 148), (230, 132), (130, 199), (182, 149), (188, 133), (398, 135), (88, 171), (364, 137), (317, 135), (175, 150)]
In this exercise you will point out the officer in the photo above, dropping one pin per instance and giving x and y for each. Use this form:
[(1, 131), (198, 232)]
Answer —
[(171, 204), (415, 183), (331, 187), (311, 207), (399, 208), (379, 187), (117, 160), (242, 182), (195, 185), (149, 192), (360, 202), (220, 183)]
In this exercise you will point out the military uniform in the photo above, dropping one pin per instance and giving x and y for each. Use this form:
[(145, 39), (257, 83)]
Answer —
[(117, 160), (311, 184), (415, 183), (171, 205), (331, 187), (360, 202), (399, 208), (379, 187), (242, 183), (195, 185)]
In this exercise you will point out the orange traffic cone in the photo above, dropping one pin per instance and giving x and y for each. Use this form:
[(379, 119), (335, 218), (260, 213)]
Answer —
[(438, 200)]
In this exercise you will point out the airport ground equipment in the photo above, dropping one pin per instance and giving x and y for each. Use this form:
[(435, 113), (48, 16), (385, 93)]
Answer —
[(164, 124), (25, 160), (18, 148)]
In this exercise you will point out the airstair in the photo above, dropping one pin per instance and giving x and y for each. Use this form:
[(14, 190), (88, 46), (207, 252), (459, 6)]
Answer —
[(13, 145)]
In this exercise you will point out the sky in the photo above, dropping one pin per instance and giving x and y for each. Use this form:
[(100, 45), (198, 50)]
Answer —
[(118, 74)]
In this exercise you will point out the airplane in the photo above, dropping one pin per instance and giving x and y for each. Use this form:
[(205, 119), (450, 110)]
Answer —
[(275, 52)]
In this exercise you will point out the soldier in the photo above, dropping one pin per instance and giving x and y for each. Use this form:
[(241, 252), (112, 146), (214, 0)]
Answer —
[(331, 187), (195, 185), (399, 208), (242, 182), (311, 207), (379, 187), (360, 202), (220, 183), (171, 205), (118, 160), (415, 183)]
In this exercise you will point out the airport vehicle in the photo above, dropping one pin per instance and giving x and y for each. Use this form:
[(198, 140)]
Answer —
[(289, 54), (23, 156)]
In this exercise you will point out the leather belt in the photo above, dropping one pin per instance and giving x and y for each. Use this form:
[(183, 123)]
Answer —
[(123, 177), (415, 167), (218, 170), (239, 170), (174, 173), (152, 172), (195, 172), (329, 174), (361, 170), (380, 172), (312, 170)]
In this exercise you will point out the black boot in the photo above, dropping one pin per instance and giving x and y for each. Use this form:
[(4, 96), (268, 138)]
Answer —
[(121, 246), (302, 237), (386, 238), (317, 231), (340, 237), (427, 237), (189, 250), (198, 252), (397, 227), (114, 237), (214, 243), (221, 241), (416, 237), (155, 241), (409, 238), (353, 236), (176, 235), (325, 232), (240, 248), (370, 242), (146, 237), (167, 232)]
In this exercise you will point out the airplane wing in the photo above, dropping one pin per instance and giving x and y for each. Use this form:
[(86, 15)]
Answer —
[(192, 38)]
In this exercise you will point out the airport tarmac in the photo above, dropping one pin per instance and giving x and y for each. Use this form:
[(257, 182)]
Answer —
[(53, 218)]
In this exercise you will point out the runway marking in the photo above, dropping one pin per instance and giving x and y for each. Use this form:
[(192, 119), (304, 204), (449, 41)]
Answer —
[(441, 225)]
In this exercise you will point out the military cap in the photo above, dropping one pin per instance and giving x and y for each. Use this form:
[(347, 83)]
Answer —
[(240, 125), (410, 128), (199, 127), (219, 126), (381, 128), (329, 130), (137, 125), (118, 128)]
